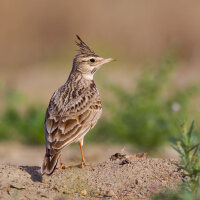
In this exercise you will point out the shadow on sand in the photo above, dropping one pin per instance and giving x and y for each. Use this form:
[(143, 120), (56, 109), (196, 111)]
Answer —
[(34, 171)]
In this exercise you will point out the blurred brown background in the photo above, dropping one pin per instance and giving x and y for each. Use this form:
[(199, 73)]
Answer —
[(37, 48), (37, 39)]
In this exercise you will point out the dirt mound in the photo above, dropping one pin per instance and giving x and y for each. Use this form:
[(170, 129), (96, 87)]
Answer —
[(120, 178)]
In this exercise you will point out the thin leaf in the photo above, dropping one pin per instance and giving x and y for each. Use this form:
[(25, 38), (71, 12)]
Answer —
[(195, 151), (176, 149), (191, 129)]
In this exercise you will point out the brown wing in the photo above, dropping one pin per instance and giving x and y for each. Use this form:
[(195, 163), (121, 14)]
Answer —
[(72, 123)]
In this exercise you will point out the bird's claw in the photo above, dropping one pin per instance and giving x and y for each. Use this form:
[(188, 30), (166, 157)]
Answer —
[(62, 166), (84, 164)]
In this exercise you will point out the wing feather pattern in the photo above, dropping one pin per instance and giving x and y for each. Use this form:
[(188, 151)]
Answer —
[(69, 128)]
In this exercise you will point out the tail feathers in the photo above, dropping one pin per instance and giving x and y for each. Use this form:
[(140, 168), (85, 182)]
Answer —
[(49, 163)]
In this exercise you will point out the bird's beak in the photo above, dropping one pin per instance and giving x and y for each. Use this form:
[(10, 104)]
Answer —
[(104, 60), (107, 60)]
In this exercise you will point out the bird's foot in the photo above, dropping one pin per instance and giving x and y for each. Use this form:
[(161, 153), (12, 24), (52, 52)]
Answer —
[(84, 164), (62, 166)]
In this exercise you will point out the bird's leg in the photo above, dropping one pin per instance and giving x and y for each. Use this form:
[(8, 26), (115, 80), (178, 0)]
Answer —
[(62, 165), (83, 164)]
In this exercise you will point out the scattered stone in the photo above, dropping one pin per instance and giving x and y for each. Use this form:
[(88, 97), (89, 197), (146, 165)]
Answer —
[(109, 193), (84, 192), (124, 162), (117, 156)]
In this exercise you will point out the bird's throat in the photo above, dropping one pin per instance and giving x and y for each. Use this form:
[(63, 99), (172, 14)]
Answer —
[(88, 76)]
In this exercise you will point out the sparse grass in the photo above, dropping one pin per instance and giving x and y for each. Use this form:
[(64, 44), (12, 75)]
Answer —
[(188, 147)]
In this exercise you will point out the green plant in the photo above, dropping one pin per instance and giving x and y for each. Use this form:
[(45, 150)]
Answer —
[(19, 121), (188, 148), (169, 195)]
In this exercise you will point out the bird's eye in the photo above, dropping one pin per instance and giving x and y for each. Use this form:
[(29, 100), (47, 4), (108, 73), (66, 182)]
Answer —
[(92, 60)]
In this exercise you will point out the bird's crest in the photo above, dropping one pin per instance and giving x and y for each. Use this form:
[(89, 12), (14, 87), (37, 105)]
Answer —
[(83, 48)]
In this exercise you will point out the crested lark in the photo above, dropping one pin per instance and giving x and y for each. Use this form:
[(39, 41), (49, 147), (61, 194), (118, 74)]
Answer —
[(74, 108)]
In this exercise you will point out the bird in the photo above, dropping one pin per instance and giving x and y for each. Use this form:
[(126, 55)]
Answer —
[(74, 108)]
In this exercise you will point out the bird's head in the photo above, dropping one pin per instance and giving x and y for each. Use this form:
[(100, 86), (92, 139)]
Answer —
[(87, 61)]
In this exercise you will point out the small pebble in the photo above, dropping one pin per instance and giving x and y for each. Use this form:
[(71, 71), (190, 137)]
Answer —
[(126, 161), (110, 193), (84, 192)]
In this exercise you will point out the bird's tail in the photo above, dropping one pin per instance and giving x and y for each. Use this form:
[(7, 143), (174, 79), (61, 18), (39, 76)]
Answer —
[(49, 163)]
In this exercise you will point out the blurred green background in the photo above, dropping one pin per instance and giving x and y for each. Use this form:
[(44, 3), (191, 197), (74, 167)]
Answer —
[(153, 86)]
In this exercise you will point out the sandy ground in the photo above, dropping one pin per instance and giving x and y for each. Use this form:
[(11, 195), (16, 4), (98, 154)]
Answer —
[(125, 177), (133, 178)]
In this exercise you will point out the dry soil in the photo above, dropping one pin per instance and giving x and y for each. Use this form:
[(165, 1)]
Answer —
[(120, 177)]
